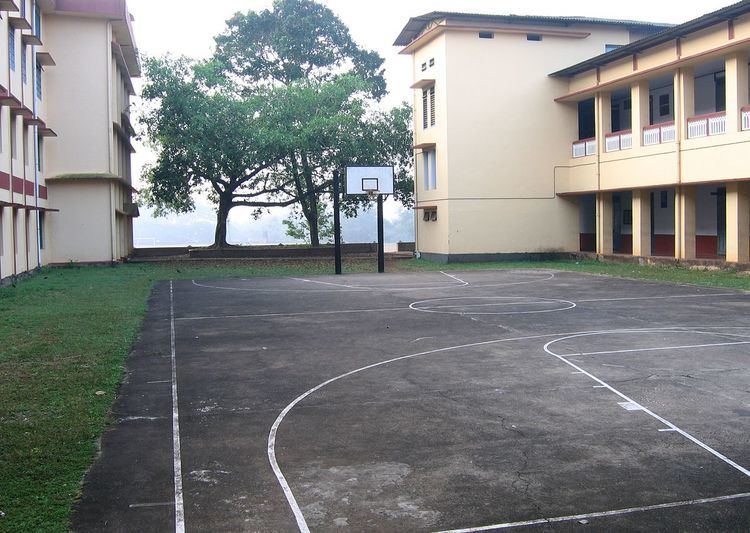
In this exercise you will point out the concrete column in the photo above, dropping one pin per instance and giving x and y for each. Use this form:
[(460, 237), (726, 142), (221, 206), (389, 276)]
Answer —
[(603, 118), (639, 98), (738, 222), (737, 89), (684, 99), (641, 222), (604, 223), (684, 223)]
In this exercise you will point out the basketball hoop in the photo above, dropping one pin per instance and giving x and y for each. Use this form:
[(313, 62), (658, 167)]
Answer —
[(376, 183)]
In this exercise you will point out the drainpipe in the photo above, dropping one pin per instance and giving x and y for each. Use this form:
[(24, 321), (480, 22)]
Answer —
[(678, 146), (36, 144), (14, 228)]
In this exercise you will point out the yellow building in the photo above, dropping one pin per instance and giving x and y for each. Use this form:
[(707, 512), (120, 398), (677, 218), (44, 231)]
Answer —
[(641, 147), (65, 84)]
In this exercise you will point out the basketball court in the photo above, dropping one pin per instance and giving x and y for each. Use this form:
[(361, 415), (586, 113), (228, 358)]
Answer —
[(473, 400)]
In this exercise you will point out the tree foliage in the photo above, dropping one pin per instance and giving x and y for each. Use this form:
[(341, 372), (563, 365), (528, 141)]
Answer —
[(287, 101), (207, 141), (295, 40)]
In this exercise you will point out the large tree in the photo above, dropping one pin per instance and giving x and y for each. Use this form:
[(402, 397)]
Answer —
[(208, 140), (323, 91)]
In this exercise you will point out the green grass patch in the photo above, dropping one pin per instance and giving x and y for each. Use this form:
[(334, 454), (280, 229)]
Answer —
[(65, 335)]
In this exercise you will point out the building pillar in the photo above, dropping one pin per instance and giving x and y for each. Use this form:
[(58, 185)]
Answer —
[(684, 223), (604, 223), (738, 222), (640, 109), (684, 99), (641, 222), (737, 89)]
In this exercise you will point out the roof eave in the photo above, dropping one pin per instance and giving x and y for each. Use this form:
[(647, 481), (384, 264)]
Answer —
[(702, 22)]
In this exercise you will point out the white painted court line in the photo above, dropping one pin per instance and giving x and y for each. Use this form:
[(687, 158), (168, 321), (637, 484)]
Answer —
[(628, 399), (289, 495), (655, 349), (661, 297), (299, 517), (600, 514), (518, 300), (179, 507), (454, 277), (325, 283), (157, 504), (301, 313), (340, 287)]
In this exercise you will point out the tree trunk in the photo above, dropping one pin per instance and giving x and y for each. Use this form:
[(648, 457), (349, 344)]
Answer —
[(222, 213), (312, 220), (312, 203)]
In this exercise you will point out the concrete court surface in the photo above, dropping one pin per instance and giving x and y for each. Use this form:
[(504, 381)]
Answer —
[(528, 400)]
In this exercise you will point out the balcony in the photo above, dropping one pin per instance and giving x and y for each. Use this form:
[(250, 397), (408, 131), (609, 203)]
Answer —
[(745, 118), (706, 125), (620, 140), (659, 134), (584, 147)]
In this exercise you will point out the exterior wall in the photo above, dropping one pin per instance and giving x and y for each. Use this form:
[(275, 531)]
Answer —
[(78, 88), (84, 233), (490, 182)]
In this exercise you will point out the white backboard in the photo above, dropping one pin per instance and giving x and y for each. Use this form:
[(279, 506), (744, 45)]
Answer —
[(360, 180)]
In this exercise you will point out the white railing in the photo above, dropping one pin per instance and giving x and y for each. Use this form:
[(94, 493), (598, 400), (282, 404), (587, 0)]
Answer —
[(745, 118), (668, 133), (591, 147), (621, 140), (705, 125), (584, 147), (626, 140), (659, 133)]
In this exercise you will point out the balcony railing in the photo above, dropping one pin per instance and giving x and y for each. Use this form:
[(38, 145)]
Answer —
[(705, 125), (745, 118), (584, 147), (659, 133), (620, 140)]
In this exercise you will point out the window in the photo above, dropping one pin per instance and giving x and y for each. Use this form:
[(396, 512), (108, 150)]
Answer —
[(720, 84), (39, 81), (26, 145), (39, 154), (432, 62), (432, 105), (14, 224), (663, 199), (23, 8), (24, 64), (428, 107), (486, 35), (13, 139), (429, 169), (12, 48), (424, 67), (586, 121), (37, 21), (533, 37), (664, 105), (610, 47), (41, 230)]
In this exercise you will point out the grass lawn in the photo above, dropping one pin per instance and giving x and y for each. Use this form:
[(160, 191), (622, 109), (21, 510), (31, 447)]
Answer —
[(64, 337)]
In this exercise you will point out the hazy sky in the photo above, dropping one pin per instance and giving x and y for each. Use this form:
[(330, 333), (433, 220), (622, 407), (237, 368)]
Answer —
[(187, 27)]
